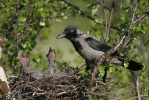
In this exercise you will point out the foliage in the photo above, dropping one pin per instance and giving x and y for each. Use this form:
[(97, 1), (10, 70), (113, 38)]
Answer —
[(22, 21)]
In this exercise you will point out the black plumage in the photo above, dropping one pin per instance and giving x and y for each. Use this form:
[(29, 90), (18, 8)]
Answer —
[(97, 45), (90, 48)]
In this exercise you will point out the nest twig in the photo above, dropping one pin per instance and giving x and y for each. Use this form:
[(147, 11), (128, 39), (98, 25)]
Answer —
[(54, 88)]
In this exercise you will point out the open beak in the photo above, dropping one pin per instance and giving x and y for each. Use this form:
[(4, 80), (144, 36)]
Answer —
[(62, 35)]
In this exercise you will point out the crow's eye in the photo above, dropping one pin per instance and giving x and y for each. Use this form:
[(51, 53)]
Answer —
[(72, 30)]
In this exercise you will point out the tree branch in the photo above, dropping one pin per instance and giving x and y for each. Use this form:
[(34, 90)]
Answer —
[(109, 23), (103, 6), (107, 34), (136, 83), (134, 11), (133, 73), (15, 19), (88, 15), (142, 17), (78, 9)]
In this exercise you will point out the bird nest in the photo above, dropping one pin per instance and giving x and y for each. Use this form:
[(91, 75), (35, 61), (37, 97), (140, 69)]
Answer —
[(54, 88)]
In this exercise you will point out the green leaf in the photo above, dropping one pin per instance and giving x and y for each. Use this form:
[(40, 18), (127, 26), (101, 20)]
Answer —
[(137, 57), (101, 70), (24, 45), (24, 2), (43, 14), (73, 13), (42, 23), (22, 19), (111, 69), (47, 24), (126, 64), (58, 19), (99, 21), (83, 73), (37, 60), (87, 32), (40, 10)]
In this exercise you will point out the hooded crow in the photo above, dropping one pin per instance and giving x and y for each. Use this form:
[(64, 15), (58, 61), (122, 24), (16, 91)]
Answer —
[(91, 49)]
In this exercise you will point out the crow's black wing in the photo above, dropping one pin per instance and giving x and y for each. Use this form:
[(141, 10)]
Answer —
[(97, 45)]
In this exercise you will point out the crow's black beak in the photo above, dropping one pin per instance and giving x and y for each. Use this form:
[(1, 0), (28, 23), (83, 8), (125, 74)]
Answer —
[(61, 36)]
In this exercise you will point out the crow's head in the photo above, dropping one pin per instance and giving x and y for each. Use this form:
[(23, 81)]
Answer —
[(70, 32)]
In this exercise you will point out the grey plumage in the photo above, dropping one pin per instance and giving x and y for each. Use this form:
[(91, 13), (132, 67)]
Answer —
[(34, 74), (70, 70), (90, 48)]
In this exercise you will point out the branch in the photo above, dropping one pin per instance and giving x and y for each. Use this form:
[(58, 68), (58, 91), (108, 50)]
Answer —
[(109, 23), (142, 17), (15, 19), (134, 11), (136, 82), (143, 41), (103, 5), (107, 34), (133, 73), (87, 14), (137, 97), (78, 9), (105, 23)]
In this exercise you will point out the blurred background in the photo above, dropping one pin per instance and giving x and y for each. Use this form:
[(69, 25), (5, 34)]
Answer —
[(32, 26)]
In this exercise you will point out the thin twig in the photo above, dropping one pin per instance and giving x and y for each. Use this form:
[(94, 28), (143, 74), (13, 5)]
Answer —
[(137, 97), (133, 73), (105, 40), (142, 17), (107, 35), (78, 9), (107, 94), (61, 93), (105, 23), (103, 5), (109, 23), (136, 83), (134, 10)]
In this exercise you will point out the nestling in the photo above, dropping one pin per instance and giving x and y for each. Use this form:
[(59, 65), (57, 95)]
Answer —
[(24, 62), (52, 70)]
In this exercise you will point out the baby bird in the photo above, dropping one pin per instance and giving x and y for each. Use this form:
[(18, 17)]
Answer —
[(34, 73), (52, 70)]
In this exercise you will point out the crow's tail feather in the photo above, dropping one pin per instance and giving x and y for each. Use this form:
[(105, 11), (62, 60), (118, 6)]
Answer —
[(135, 66)]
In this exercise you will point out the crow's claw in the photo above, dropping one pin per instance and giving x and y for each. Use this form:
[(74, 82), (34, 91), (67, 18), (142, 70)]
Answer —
[(96, 61)]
